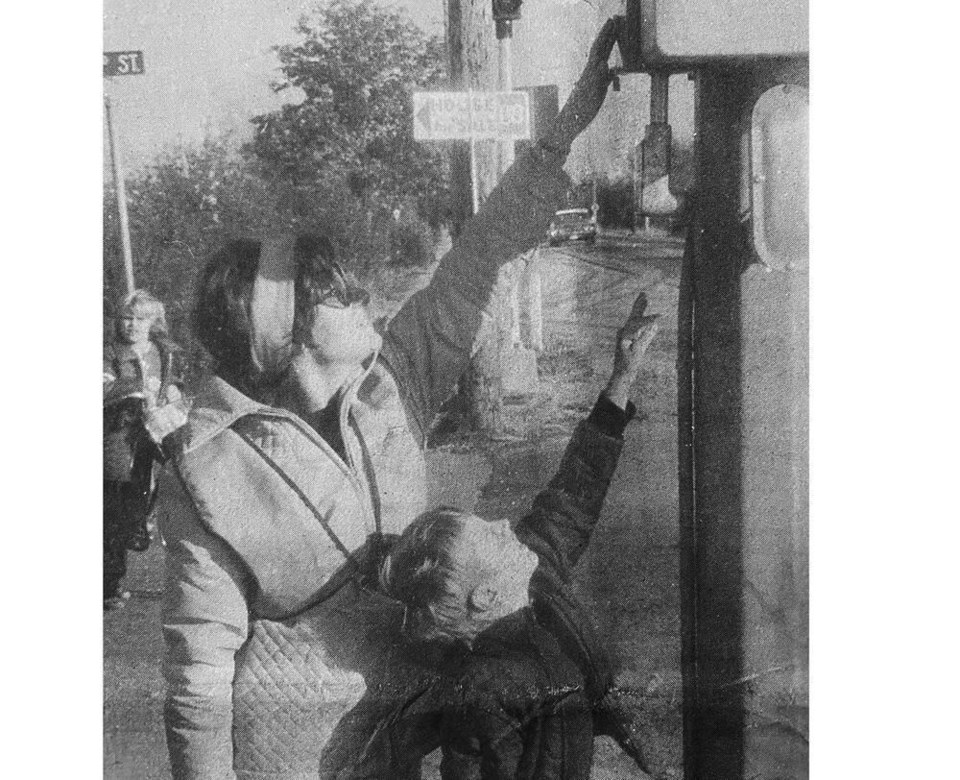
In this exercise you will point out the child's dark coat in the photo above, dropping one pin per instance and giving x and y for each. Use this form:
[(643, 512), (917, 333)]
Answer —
[(521, 703)]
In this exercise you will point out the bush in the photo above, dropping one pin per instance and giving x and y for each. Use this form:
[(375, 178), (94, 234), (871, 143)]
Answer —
[(191, 201), (615, 198), (411, 244)]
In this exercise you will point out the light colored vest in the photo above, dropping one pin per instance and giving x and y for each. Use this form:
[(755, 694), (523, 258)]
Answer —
[(314, 633)]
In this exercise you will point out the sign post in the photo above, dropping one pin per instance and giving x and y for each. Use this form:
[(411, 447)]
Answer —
[(451, 116), (474, 183), (117, 167), (121, 63)]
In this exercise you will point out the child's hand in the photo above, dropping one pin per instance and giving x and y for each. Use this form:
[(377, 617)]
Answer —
[(633, 339)]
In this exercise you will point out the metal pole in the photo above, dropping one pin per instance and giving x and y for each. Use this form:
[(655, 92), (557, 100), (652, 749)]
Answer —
[(505, 77), (515, 340), (536, 302), (659, 97), (655, 152), (505, 80), (474, 183), (117, 166)]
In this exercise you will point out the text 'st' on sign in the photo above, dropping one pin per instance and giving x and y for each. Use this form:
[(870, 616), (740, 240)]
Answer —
[(122, 63)]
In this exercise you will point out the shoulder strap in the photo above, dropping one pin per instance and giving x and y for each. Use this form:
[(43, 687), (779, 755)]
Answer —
[(306, 501), (371, 476)]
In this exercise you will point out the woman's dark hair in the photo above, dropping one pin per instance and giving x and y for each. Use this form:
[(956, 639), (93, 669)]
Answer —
[(221, 318)]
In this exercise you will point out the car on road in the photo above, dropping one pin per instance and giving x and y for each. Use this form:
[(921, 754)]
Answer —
[(572, 225)]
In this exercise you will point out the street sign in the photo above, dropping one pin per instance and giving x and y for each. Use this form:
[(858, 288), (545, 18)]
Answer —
[(446, 116), (122, 63)]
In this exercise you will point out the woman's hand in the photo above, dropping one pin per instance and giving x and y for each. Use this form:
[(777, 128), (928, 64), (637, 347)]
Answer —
[(633, 339), (588, 93)]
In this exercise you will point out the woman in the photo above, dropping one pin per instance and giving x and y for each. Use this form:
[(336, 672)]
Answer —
[(299, 454), (138, 378)]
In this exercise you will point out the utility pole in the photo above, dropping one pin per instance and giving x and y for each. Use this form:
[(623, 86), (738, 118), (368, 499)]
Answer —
[(471, 51), (500, 359), (462, 175)]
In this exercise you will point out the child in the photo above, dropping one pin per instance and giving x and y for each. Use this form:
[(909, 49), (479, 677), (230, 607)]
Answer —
[(138, 377), (525, 683)]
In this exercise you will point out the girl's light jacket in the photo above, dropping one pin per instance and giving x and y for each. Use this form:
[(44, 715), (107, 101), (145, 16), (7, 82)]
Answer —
[(269, 633)]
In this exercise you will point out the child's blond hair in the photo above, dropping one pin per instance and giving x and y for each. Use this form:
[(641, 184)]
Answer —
[(141, 303), (430, 572)]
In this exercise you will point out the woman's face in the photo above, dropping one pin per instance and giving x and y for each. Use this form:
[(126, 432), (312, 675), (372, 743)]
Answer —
[(342, 335), (135, 328)]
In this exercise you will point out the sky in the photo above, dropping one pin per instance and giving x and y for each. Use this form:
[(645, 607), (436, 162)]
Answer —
[(209, 66)]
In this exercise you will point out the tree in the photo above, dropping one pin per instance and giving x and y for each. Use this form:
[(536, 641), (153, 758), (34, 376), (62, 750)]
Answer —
[(357, 65), (180, 207), (342, 162)]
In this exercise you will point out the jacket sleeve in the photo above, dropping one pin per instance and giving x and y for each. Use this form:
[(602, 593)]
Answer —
[(109, 375), (395, 748), (109, 369), (564, 515), (204, 625), (430, 341)]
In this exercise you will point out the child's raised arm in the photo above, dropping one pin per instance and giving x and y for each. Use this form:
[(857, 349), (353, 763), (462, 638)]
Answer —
[(633, 339), (564, 515)]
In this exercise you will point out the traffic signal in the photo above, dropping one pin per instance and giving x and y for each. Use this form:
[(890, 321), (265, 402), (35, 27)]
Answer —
[(506, 10)]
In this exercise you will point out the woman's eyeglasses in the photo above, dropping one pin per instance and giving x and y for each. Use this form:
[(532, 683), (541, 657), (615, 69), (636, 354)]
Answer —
[(340, 293)]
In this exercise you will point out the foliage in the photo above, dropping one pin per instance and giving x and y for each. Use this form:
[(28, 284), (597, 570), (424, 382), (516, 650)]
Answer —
[(356, 65), (343, 163), (615, 195), (179, 209), (615, 198), (190, 201)]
